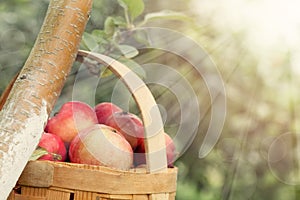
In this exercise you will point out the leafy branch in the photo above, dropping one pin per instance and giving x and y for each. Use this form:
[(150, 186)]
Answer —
[(111, 40)]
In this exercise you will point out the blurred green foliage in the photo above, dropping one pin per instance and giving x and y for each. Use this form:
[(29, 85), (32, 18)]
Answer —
[(261, 102)]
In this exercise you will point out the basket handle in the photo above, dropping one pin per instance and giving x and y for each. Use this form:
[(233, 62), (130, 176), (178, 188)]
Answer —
[(155, 147)]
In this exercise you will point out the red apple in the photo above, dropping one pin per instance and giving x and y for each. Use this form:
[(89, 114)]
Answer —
[(54, 146), (73, 117), (104, 110), (139, 153), (101, 145), (129, 125)]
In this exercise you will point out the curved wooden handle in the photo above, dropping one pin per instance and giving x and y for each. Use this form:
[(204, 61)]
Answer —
[(156, 158)]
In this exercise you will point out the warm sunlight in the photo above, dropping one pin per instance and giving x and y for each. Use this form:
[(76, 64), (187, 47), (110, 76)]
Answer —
[(267, 24)]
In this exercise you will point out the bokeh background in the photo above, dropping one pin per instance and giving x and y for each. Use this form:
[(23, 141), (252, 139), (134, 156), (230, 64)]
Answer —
[(255, 47)]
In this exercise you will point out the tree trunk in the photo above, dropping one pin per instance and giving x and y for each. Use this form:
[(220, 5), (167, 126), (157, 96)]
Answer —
[(38, 86), (7, 90)]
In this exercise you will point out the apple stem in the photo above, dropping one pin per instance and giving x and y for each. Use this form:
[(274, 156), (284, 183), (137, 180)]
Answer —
[(56, 157)]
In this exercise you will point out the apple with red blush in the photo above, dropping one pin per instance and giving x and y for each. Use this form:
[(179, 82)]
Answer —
[(129, 125), (73, 117), (101, 145), (104, 110), (51, 148), (140, 156)]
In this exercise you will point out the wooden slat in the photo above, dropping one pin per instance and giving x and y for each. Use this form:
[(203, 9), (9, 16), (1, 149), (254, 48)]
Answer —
[(114, 183), (62, 189), (39, 173), (83, 195), (140, 197), (102, 181), (162, 196), (33, 191), (57, 195), (172, 196), (97, 196), (26, 197), (120, 197)]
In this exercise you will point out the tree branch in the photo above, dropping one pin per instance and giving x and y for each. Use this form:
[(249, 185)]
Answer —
[(38, 86)]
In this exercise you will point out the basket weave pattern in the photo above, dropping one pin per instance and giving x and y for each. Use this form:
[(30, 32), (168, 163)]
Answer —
[(68, 181)]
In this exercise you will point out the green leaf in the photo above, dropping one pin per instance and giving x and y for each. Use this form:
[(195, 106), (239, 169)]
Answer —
[(165, 14), (141, 37), (99, 35), (134, 7), (39, 152), (89, 41), (106, 72), (119, 21), (109, 26), (128, 51), (123, 4)]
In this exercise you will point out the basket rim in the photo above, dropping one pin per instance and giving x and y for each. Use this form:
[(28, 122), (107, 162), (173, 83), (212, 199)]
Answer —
[(101, 179)]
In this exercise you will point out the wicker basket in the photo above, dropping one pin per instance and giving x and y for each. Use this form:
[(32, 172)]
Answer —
[(47, 180)]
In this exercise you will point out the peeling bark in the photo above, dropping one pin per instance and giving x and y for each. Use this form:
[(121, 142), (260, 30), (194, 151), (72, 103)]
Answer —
[(38, 86)]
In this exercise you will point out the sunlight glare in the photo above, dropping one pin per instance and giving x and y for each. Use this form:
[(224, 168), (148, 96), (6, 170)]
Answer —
[(267, 26)]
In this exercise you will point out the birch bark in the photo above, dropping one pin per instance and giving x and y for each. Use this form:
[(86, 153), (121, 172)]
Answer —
[(38, 86)]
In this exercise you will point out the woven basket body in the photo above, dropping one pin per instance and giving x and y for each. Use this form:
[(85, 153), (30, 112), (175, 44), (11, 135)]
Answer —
[(46, 180)]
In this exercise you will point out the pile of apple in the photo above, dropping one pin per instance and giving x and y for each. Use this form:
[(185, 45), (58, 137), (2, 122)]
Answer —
[(105, 135)]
